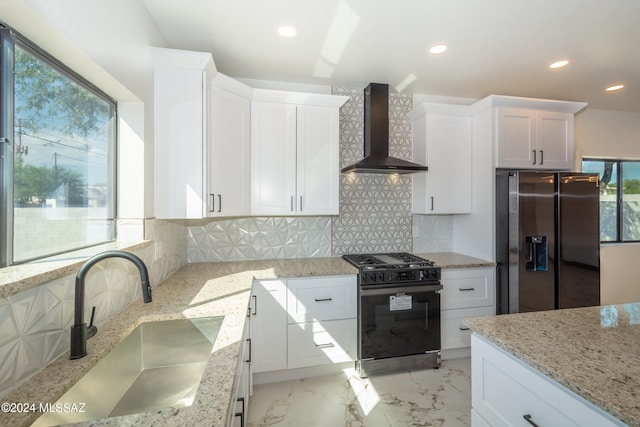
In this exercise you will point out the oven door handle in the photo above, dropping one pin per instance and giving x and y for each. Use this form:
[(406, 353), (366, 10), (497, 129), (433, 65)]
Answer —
[(379, 290)]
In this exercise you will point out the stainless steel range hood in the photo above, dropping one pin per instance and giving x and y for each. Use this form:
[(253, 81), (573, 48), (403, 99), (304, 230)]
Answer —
[(376, 136)]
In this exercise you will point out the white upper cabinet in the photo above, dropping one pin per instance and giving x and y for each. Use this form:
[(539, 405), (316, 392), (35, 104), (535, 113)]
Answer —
[(533, 133), (229, 186), (180, 131), (294, 153), (442, 140)]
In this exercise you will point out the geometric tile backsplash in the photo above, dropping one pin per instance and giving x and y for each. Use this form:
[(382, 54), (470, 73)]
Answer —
[(375, 209)]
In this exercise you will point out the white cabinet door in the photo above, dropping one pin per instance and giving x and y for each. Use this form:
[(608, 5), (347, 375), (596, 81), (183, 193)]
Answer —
[(467, 288), (322, 343), (505, 390), (534, 139), (273, 158), (268, 325), (318, 168), (443, 142), (322, 298), (554, 136), (179, 142), (229, 192), (516, 138)]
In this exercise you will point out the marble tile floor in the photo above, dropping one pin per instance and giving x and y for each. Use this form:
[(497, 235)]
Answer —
[(435, 397)]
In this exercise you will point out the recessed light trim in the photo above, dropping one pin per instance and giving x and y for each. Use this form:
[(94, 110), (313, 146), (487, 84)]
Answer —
[(560, 64), (615, 88), (439, 48), (287, 31)]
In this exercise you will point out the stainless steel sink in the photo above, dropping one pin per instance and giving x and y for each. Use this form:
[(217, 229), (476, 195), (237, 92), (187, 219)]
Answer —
[(158, 365)]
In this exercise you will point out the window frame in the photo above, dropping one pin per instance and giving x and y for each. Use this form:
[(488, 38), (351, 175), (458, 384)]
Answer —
[(9, 38), (619, 196)]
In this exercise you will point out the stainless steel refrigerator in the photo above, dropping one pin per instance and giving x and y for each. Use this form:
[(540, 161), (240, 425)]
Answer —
[(547, 240)]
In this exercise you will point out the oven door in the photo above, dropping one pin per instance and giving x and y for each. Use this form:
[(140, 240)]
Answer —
[(398, 320)]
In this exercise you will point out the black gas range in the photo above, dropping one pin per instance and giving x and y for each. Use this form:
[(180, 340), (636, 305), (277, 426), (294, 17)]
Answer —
[(398, 313), (394, 267)]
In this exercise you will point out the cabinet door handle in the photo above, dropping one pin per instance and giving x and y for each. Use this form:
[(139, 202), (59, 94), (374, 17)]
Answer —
[(255, 304), (466, 289), (463, 328), (323, 299), (241, 413), (300, 203), (528, 419), (326, 345), (534, 157), (431, 202), (541, 157), (219, 202), (249, 343), (212, 202), (291, 203)]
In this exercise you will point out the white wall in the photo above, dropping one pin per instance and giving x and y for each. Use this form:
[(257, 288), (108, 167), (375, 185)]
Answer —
[(613, 134)]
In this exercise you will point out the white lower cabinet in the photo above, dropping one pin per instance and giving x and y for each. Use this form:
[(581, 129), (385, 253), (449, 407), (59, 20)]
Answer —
[(303, 322), (268, 325), (507, 392), (242, 383), (466, 292), (321, 343)]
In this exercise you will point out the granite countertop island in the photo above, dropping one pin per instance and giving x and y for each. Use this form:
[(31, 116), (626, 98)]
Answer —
[(593, 351), (196, 290)]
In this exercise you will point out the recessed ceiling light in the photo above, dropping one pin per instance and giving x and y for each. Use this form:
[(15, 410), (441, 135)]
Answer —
[(559, 64), (287, 31), (438, 48), (614, 88)]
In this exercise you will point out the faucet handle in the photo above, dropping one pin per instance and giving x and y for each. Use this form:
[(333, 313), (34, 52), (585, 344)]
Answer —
[(91, 329)]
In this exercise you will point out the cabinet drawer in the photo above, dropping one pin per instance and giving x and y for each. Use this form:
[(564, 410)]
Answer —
[(455, 333), (467, 287), (504, 390), (322, 343), (321, 298)]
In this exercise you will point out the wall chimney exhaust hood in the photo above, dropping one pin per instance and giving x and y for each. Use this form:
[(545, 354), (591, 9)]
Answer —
[(376, 136)]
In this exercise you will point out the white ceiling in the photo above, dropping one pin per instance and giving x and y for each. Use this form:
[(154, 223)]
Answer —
[(495, 46)]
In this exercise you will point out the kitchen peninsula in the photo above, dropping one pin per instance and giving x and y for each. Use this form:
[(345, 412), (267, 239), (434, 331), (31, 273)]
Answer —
[(591, 352), (196, 290)]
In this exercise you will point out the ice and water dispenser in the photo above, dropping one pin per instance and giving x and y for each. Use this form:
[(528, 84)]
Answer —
[(536, 253)]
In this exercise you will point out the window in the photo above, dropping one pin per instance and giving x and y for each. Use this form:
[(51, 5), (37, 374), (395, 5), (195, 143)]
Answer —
[(58, 156), (619, 198)]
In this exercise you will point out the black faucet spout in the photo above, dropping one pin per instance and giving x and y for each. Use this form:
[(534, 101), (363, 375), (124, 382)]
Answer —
[(80, 332)]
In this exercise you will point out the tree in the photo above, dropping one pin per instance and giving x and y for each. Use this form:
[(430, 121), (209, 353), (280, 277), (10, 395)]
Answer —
[(43, 92), (34, 184)]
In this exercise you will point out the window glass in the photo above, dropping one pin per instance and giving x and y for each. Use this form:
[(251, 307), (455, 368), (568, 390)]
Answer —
[(608, 171), (630, 200), (64, 142)]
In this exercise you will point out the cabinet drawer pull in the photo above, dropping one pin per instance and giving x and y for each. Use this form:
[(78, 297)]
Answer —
[(241, 413), (212, 202), (323, 299), (300, 203), (528, 419), (291, 203), (255, 304), (327, 345), (466, 289), (462, 328), (541, 157), (431, 202), (219, 202), (534, 157), (249, 344)]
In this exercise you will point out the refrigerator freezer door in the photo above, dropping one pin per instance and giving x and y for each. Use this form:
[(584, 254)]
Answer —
[(535, 243), (579, 240)]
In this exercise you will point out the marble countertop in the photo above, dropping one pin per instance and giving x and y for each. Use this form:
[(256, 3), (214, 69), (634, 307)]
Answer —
[(593, 351), (456, 260), (196, 290)]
